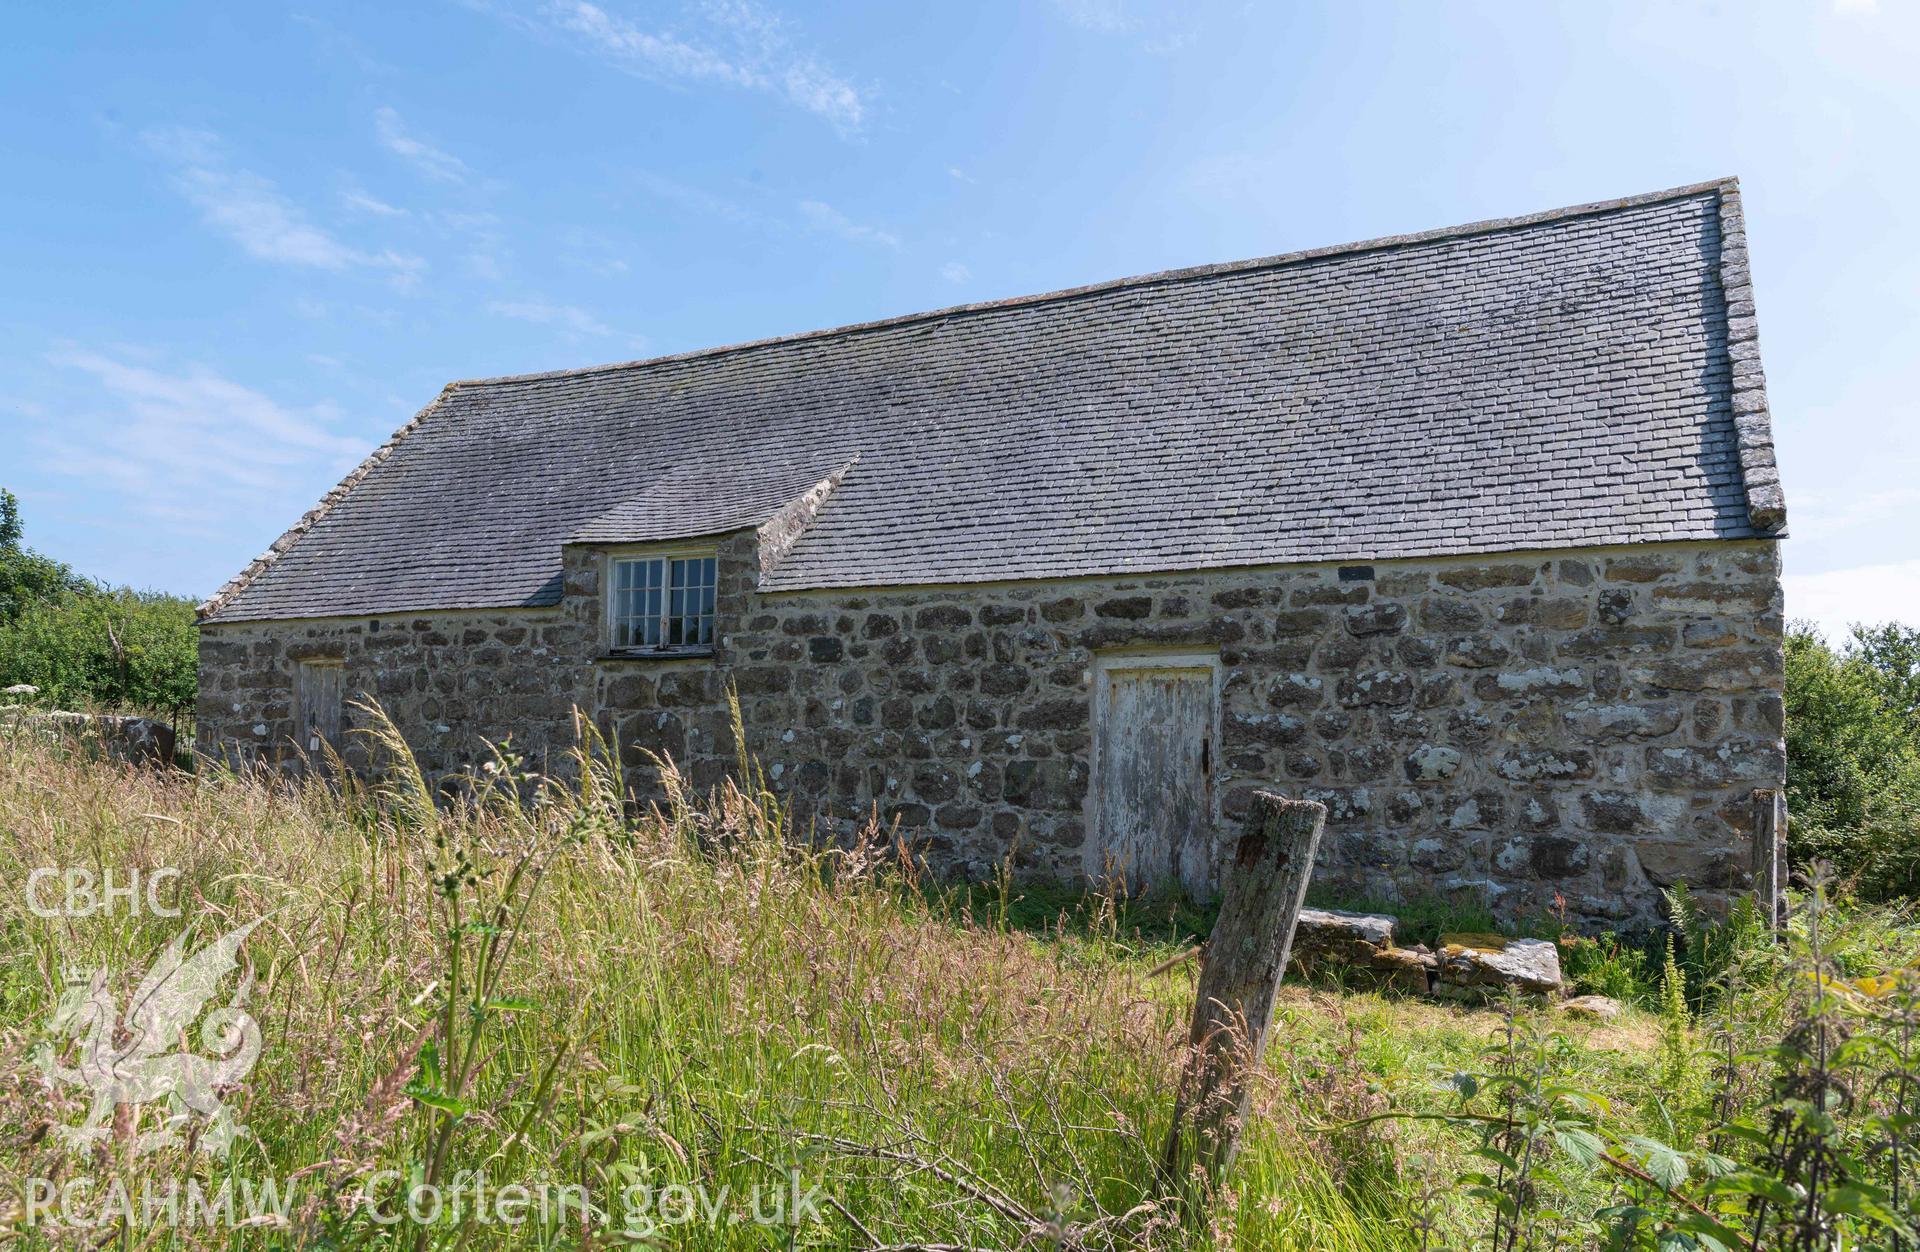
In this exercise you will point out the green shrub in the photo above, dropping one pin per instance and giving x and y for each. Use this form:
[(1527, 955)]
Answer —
[(88, 645), (101, 647), (1853, 757)]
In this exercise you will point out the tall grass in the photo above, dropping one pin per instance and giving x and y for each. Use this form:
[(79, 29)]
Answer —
[(535, 983), (524, 980)]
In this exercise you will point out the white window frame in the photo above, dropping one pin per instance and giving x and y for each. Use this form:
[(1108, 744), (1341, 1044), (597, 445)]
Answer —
[(666, 556)]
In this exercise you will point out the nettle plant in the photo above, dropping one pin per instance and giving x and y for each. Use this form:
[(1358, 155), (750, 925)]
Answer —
[(1784, 1115)]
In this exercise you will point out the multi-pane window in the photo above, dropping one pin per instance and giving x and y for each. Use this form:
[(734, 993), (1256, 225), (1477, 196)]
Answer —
[(663, 602)]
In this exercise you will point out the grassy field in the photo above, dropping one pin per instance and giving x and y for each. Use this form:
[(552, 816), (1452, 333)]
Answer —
[(682, 1017)]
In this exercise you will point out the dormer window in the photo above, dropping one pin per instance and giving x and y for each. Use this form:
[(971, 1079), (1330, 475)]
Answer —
[(661, 603)]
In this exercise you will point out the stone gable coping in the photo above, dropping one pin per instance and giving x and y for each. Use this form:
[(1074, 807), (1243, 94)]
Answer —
[(779, 533), (308, 520), (1753, 426)]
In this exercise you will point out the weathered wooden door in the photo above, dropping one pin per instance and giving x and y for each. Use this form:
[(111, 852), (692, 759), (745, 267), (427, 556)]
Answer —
[(1153, 771), (316, 708)]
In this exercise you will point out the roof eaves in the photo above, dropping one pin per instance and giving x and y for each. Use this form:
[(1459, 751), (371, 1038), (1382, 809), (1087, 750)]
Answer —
[(260, 564), (1752, 422), (1163, 277)]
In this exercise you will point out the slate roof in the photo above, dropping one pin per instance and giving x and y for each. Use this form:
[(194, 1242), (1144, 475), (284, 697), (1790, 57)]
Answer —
[(1583, 377)]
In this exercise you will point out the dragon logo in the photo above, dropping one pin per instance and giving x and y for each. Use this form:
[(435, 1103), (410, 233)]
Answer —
[(143, 1057)]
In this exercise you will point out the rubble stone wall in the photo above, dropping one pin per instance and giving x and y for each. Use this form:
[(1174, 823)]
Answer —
[(1587, 725)]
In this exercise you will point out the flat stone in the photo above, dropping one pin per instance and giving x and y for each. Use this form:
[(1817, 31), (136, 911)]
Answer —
[(1377, 687), (1472, 962), (1430, 761), (1331, 929), (1450, 613), (1542, 679), (1481, 577), (1737, 758), (1129, 608), (1714, 671), (20, 689), (1552, 612), (1623, 721), (1593, 1008), (1376, 619), (1359, 946), (1477, 652), (1525, 765)]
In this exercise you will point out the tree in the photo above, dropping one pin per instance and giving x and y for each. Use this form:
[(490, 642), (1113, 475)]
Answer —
[(1892, 652), (1853, 758), (26, 577)]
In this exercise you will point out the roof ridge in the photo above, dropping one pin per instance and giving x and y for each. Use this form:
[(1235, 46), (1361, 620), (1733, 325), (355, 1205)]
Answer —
[(1726, 185), (1752, 420), (311, 518)]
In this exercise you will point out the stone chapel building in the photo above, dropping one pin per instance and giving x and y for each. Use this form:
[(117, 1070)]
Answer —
[(1472, 535)]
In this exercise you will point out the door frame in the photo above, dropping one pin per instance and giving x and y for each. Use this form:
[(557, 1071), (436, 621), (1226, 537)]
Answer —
[(301, 669), (1092, 855)]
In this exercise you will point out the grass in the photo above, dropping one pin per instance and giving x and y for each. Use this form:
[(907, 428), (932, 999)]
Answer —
[(556, 991)]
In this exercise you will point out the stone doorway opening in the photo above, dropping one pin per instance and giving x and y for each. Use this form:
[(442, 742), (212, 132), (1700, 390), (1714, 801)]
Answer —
[(1156, 727)]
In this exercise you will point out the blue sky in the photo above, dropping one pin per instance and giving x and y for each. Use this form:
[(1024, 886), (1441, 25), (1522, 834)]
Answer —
[(240, 244)]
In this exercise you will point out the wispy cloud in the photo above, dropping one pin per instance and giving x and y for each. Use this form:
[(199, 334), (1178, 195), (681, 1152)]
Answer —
[(183, 444), (571, 318), (592, 251), (1829, 516), (824, 217), (699, 201), (485, 266), (540, 313), (954, 272), (1153, 28), (252, 212), (362, 202), (740, 45), (812, 215), (429, 160)]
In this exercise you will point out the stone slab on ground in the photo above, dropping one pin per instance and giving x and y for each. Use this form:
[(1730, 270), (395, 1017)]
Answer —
[(1324, 933), (1474, 966), (1359, 945), (1592, 1008)]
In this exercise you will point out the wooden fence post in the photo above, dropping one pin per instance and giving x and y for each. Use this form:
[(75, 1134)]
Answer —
[(1770, 853), (1263, 888)]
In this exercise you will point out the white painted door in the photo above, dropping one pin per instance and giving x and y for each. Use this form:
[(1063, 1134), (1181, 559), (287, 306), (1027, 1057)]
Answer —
[(1153, 772)]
